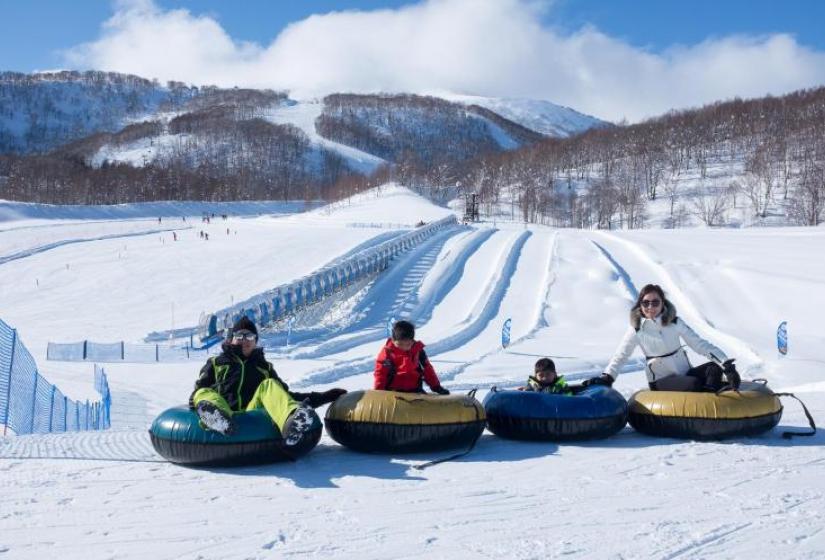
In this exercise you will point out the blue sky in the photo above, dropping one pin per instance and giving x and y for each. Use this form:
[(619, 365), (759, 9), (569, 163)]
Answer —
[(29, 41), (650, 55)]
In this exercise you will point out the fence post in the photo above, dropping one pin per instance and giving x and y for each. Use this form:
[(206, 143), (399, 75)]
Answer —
[(65, 413), (51, 407), (34, 402), (157, 353), (84, 349), (8, 389), (122, 350)]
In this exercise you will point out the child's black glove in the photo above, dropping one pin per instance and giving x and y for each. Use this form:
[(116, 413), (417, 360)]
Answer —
[(317, 399), (441, 391), (604, 379), (333, 394), (733, 377)]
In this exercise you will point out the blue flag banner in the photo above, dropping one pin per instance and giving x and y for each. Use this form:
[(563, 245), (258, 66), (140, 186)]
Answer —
[(390, 323), (782, 338), (505, 333)]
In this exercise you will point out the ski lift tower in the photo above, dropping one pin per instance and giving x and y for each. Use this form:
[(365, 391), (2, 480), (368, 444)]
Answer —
[(471, 203)]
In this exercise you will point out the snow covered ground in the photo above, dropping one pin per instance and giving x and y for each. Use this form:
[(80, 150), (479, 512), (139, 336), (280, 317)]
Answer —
[(108, 495)]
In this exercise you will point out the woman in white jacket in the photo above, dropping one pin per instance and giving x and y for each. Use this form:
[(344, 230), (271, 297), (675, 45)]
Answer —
[(655, 328)]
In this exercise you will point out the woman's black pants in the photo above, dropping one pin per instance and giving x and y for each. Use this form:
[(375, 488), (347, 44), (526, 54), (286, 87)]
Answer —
[(706, 377)]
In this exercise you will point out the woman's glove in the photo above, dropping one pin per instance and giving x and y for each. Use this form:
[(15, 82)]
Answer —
[(441, 391), (733, 377), (604, 379)]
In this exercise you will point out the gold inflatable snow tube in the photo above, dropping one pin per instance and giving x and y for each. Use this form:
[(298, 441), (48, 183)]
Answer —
[(750, 411), (391, 421)]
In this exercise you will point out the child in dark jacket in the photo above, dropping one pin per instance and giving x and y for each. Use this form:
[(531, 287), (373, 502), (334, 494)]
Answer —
[(402, 364), (546, 380)]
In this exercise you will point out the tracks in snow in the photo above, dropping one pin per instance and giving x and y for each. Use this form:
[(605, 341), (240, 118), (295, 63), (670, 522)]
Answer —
[(485, 307), (63, 242), (657, 273), (388, 296)]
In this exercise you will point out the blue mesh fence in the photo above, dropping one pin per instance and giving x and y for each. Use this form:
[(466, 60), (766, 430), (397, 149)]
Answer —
[(89, 351), (30, 404)]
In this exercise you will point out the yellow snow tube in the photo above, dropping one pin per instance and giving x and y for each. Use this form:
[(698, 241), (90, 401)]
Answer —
[(390, 421), (751, 410)]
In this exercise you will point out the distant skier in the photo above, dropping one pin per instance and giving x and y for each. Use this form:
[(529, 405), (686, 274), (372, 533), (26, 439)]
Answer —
[(656, 329), (402, 364), (240, 379)]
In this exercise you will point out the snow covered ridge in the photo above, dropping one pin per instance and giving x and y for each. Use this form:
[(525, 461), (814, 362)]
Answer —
[(536, 114), (429, 128), (66, 106)]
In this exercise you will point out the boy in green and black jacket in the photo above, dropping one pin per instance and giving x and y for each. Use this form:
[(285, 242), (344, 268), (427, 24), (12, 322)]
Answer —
[(546, 380)]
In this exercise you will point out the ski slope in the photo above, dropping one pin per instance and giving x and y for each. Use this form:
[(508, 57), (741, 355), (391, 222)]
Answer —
[(108, 495), (303, 114)]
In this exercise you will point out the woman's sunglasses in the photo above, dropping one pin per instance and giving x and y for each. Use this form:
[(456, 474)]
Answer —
[(651, 302)]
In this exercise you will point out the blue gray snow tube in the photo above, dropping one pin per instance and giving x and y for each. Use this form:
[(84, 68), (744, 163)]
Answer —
[(178, 437), (594, 412)]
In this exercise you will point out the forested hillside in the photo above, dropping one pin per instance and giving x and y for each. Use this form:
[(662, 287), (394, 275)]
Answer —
[(746, 162), (98, 138)]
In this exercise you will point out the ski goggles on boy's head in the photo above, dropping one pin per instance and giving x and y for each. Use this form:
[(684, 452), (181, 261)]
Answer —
[(244, 335)]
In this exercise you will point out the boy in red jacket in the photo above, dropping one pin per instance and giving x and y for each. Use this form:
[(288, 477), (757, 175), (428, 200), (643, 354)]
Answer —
[(402, 364)]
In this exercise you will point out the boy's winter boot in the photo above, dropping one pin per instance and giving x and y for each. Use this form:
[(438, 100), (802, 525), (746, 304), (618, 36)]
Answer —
[(215, 419), (302, 420)]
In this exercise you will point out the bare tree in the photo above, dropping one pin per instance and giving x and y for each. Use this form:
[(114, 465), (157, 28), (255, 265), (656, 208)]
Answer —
[(709, 205), (808, 206)]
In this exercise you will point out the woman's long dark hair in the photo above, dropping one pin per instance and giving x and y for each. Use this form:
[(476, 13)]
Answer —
[(668, 311)]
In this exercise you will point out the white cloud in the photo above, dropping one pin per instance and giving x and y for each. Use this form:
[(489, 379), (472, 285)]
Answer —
[(481, 47)]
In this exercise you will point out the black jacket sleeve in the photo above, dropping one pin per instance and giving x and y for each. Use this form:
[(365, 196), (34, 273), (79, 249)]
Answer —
[(205, 379)]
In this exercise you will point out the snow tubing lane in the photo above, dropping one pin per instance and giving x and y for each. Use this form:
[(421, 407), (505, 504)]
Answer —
[(596, 412), (178, 437), (394, 422), (706, 416)]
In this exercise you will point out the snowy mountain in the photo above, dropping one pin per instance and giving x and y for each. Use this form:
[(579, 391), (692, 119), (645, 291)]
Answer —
[(116, 138), (536, 114), (567, 292), (413, 127), (39, 112), (88, 131)]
